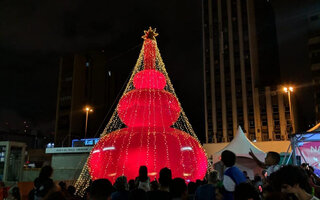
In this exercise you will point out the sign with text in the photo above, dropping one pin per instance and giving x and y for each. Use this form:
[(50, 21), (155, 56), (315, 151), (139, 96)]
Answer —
[(68, 150), (311, 153)]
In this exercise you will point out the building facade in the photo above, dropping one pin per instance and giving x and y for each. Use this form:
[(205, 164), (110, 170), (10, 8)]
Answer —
[(84, 79), (241, 71), (273, 114)]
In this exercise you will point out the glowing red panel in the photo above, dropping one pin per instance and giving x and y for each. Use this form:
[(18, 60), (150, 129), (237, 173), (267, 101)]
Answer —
[(149, 79), (149, 54), (122, 152), (148, 107)]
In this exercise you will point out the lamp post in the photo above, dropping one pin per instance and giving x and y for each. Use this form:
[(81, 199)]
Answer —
[(87, 109), (289, 90)]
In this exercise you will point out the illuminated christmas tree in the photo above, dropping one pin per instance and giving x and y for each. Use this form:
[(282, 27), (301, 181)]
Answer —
[(148, 127)]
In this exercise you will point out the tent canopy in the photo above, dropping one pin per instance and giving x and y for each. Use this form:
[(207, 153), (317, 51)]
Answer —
[(312, 134), (241, 146), (307, 137), (315, 128)]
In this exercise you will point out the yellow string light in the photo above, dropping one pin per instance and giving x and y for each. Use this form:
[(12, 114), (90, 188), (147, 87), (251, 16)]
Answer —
[(116, 124)]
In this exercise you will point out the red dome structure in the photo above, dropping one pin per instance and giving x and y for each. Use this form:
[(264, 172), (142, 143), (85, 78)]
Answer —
[(151, 107), (149, 79), (148, 111), (122, 152)]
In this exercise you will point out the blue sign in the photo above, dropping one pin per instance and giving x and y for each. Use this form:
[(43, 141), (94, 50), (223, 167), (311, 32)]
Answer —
[(85, 142)]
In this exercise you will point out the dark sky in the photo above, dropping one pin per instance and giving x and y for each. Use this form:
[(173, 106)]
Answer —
[(293, 31), (33, 34)]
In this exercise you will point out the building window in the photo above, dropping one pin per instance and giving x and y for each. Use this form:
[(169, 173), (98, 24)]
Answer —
[(264, 123)]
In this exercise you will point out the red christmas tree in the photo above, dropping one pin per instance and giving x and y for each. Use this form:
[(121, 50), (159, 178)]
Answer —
[(157, 133)]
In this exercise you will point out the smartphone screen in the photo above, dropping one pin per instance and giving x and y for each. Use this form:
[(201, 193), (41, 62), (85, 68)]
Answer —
[(260, 188)]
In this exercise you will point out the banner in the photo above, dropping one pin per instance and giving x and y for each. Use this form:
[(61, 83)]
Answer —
[(310, 154)]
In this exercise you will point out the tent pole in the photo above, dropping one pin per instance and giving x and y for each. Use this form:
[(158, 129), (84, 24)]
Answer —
[(293, 147), (285, 157), (289, 158)]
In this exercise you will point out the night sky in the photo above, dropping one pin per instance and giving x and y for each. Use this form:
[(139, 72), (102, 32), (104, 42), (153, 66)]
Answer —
[(33, 34), (292, 30)]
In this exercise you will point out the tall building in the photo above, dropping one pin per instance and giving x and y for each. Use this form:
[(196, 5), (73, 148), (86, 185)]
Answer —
[(273, 113), (84, 79), (314, 58), (241, 71)]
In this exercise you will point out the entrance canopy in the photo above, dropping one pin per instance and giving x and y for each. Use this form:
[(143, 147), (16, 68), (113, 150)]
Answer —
[(240, 145)]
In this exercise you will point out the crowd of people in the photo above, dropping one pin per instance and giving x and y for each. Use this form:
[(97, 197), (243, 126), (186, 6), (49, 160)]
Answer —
[(275, 182)]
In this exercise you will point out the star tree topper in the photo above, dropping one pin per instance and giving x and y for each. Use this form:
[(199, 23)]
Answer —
[(150, 34)]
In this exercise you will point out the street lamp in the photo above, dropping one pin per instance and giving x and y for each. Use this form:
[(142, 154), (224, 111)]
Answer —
[(87, 109), (289, 90)]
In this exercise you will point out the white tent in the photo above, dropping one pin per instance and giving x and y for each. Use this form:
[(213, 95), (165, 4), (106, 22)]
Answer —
[(241, 146)]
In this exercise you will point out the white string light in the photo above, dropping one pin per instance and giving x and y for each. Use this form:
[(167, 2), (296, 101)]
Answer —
[(115, 125)]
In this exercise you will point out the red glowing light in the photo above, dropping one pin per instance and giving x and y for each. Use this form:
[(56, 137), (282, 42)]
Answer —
[(148, 111), (149, 54), (122, 152), (148, 107), (152, 79)]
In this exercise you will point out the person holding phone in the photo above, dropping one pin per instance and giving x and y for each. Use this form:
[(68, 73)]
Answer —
[(271, 162)]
